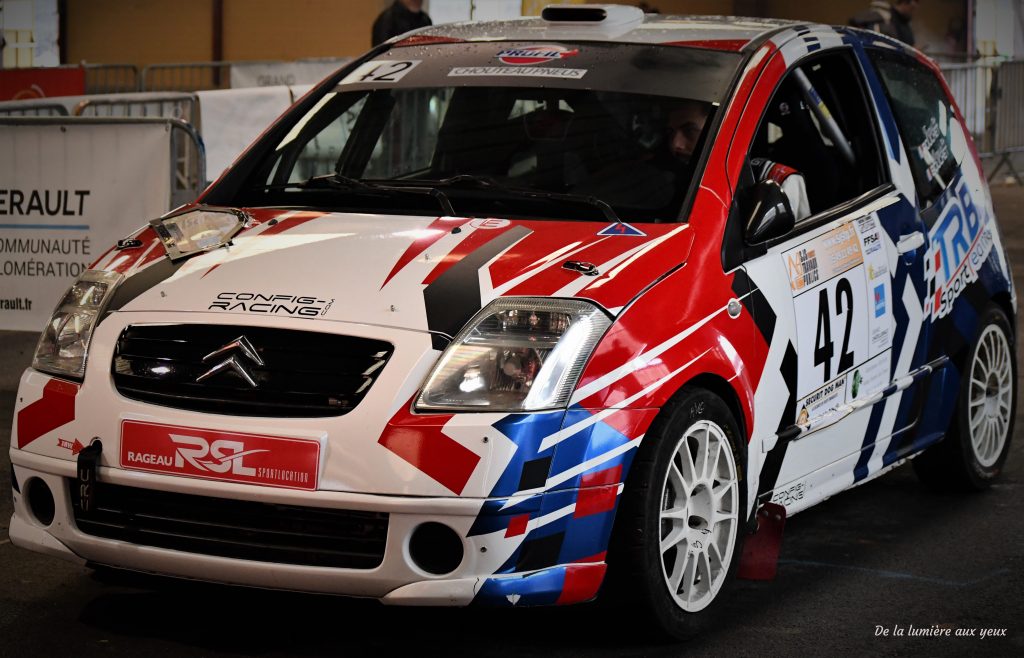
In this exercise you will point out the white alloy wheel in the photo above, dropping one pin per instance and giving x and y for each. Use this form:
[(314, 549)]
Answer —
[(991, 395), (699, 516)]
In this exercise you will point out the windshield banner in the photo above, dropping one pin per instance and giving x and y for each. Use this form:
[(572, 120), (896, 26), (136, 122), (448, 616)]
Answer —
[(68, 192)]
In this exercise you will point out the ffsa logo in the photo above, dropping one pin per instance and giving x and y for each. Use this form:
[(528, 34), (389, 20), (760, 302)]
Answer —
[(220, 456)]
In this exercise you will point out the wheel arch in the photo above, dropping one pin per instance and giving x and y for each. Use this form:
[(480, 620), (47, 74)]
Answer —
[(1004, 302)]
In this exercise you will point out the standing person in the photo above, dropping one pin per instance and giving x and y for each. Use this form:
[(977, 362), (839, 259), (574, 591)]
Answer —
[(889, 19), (898, 26), (399, 18)]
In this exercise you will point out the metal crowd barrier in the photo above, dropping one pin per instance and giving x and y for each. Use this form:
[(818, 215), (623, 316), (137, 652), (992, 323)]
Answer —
[(110, 78), (188, 157), (190, 76), (971, 84), (1009, 116), (172, 105), (200, 76), (32, 108)]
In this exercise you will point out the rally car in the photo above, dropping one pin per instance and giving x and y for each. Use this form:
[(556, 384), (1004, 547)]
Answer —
[(511, 313)]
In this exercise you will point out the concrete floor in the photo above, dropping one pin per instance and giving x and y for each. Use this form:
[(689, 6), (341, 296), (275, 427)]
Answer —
[(885, 554)]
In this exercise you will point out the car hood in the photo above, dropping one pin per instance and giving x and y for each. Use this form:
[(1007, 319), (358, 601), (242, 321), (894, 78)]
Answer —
[(417, 273)]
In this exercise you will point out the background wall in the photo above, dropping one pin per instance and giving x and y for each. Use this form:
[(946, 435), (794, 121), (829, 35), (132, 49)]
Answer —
[(139, 31), (152, 31)]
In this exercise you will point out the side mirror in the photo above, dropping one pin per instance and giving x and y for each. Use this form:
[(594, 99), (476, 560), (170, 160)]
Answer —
[(770, 214)]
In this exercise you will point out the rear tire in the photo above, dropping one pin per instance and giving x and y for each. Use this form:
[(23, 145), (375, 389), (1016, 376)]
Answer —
[(680, 527), (978, 441)]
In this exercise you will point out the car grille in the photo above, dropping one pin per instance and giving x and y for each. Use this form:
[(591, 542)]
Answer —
[(303, 373), (240, 529)]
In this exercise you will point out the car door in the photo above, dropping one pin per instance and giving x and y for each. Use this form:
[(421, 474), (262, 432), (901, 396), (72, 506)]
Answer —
[(841, 283)]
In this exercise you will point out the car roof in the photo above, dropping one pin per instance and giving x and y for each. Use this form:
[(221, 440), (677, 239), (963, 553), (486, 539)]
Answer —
[(623, 24)]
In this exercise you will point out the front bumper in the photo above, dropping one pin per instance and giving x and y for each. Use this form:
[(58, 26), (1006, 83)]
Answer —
[(531, 496), (397, 580)]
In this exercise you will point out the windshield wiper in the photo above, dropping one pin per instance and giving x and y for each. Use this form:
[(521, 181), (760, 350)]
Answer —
[(338, 181), (349, 184), (488, 183)]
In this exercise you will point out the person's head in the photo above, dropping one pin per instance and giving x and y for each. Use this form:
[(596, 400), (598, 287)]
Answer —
[(415, 6), (685, 124), (905, 8)]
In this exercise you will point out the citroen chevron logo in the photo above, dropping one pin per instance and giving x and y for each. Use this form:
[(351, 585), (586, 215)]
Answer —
[(240, 345)]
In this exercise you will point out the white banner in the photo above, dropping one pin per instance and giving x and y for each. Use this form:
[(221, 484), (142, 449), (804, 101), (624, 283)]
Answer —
[(233, 118), (273, 74), (68, 192)]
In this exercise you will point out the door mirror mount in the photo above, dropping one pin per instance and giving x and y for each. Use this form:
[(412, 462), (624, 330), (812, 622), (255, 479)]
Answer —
[(770, 214)]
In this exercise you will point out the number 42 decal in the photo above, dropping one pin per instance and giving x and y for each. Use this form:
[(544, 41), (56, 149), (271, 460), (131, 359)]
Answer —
[(381, 70), (824, 348)]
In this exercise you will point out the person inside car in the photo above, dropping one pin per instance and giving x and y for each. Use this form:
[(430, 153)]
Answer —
[(684, 126)]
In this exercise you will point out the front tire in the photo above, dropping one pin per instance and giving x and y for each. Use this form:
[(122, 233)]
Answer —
[(679, 531), (978, 440)]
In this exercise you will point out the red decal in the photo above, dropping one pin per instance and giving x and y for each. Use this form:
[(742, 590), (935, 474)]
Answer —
[(437, 230), (490, 223), (581, 583), (594, 558), (595, 500), (289, 223), (74, 446), (602, 478), (473, 242), (535, 54), (780, 172), (247, 458), (732, 45), (55, 408), (425, 40), (517, 525), (420, 440)]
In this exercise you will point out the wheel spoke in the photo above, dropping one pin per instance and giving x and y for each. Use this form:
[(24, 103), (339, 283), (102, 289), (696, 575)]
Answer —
[(676, 514), (715, 553), (678, 482), (675, 579), (701, 462), (976, 423), (688, 474), (689, 573), (715, 454), (674, 537), (704, 569)]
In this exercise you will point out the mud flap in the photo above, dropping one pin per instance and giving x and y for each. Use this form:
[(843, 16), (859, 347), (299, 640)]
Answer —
[(761, 549)]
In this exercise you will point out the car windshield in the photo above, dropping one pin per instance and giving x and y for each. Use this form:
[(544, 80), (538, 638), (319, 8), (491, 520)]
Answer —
[(480, 133)]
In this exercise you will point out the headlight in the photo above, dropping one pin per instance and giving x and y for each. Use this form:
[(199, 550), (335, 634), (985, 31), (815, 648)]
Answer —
[(65, 342), (517, 354), (198, 230)]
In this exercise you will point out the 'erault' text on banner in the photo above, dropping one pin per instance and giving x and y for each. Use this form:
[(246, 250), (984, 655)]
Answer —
[(68, 192)]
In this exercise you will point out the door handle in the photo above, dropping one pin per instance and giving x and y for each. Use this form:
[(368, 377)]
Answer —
[(910, 242)]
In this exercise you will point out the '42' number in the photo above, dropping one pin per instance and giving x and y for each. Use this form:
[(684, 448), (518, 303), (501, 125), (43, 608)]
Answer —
[(823, 345), (387, 72)]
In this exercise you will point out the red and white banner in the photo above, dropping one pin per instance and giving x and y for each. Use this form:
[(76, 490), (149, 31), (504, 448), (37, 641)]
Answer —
[(274, 461)]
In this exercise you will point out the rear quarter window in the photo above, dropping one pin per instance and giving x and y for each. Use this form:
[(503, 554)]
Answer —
[(923, 114)]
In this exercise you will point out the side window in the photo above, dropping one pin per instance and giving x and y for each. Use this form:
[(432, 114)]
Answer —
[(817, 133), (923, 114)]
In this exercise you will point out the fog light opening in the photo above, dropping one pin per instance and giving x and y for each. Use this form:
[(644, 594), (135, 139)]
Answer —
[(40, 501), (435, 548)]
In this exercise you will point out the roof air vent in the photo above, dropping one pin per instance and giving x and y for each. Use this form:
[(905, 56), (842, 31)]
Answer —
[(575, 14), (611, 19)]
